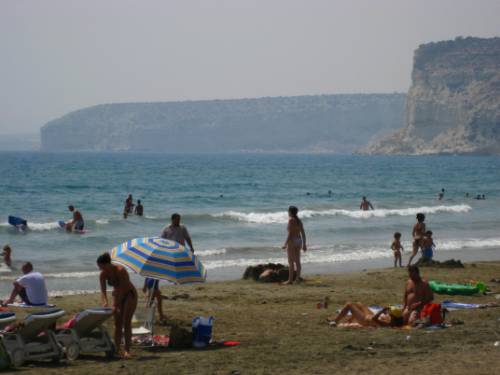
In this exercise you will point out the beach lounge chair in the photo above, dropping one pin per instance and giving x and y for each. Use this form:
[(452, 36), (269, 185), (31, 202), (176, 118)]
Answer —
[(87, 335), (144, 318), (33, 338), (6, 318)]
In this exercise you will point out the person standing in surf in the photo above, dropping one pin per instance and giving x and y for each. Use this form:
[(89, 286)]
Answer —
[(418, 234), (129, 205), (77, 223), (295, 241), (365, 204)]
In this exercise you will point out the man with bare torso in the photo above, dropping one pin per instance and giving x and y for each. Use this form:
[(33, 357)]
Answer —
[(365, 204), (417, 294)]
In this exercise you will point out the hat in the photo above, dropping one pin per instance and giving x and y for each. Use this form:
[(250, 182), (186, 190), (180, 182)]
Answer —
[(395, 312)]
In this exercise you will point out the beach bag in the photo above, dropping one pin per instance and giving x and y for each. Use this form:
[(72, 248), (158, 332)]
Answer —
[(202, 331), (432, 311)]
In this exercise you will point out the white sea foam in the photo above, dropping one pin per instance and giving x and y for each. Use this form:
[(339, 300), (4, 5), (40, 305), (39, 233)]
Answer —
[(470, 243), (60, 293), (281, 217), (39, 227), (102, 221), (332, 254), (210, 252)]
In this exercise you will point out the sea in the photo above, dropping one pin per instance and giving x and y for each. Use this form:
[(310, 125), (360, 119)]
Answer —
[(235, 208)]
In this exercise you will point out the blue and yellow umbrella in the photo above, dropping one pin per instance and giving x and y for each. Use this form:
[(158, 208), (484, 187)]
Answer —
[(161, 259)]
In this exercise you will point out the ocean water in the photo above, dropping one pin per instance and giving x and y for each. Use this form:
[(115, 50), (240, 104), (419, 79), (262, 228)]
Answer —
[(235, 208)]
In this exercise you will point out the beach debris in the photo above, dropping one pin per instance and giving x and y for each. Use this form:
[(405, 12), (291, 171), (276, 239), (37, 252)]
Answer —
[(408, 338), (496, 343), (324, 303), (177, 296)]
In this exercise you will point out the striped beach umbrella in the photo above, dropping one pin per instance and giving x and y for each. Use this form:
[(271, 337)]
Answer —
[(161, 259)]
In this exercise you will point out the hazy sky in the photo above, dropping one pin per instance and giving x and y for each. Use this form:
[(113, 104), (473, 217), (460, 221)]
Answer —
[(62, 55)]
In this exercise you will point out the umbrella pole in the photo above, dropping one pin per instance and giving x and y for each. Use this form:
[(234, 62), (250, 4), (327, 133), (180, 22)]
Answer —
[(151, 295)]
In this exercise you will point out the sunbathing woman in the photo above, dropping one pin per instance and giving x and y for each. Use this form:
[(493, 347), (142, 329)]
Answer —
[(362, 316), (124, 300), (295, 241)]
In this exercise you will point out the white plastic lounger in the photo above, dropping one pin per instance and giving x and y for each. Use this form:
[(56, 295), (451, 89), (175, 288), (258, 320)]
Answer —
[(28, 342), (6, 318), (87, 335), (145, 317)]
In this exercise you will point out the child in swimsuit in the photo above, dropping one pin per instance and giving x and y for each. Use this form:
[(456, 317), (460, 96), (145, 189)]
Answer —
[(7, 251), (397, 248), (428, 245)]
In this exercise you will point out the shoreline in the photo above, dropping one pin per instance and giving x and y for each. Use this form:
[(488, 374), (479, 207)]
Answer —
[(235, 273)]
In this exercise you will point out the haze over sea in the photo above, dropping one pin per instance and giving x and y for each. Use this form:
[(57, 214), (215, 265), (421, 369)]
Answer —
[(247, 225)]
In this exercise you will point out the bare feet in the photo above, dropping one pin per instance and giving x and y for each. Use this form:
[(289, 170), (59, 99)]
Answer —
[(288, 282), (125, 355)]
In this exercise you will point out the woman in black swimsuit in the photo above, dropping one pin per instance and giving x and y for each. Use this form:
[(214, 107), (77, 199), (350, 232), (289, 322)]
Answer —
[(124, 300)]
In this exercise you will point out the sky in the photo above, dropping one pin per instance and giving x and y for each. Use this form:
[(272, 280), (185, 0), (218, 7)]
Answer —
[(57, 56)]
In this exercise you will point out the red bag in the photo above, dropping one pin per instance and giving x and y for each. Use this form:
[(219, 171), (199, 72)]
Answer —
[(433, 311)]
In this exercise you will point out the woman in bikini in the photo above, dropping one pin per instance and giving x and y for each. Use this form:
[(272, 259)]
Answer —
[(362, 316), (295, 241), (124, 300)]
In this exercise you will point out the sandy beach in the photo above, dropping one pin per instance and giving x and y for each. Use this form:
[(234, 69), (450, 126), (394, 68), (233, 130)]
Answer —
[(281, 329)]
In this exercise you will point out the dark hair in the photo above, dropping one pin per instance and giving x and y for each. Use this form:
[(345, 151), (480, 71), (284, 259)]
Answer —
[(104, 258), (429, 233), (397, 235), (414, 268), (293, 210), (28, 265), (364, 198), (7, 247), (420, 217), (138, 201), (71, 207), (175, 216)]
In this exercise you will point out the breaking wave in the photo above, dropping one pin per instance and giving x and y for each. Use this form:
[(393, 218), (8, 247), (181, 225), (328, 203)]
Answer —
[(281, 217)]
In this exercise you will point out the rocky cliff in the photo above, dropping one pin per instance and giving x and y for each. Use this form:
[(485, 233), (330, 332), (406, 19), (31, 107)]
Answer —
[(453, 105), (322, 123)]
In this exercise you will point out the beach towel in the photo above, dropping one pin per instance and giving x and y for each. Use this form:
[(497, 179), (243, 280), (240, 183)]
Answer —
[(452, 305)]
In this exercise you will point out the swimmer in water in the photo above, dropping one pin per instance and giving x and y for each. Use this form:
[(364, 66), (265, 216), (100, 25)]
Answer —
[(365, 204), (7, 252)]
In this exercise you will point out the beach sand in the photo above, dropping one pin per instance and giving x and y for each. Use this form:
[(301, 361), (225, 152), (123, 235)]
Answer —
[(281, 329)]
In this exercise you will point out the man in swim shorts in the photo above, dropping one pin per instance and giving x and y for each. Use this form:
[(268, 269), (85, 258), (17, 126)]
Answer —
[(418, 293), (418, 234)]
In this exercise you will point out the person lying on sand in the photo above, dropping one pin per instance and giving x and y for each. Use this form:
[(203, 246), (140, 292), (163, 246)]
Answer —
[(362, 316)]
